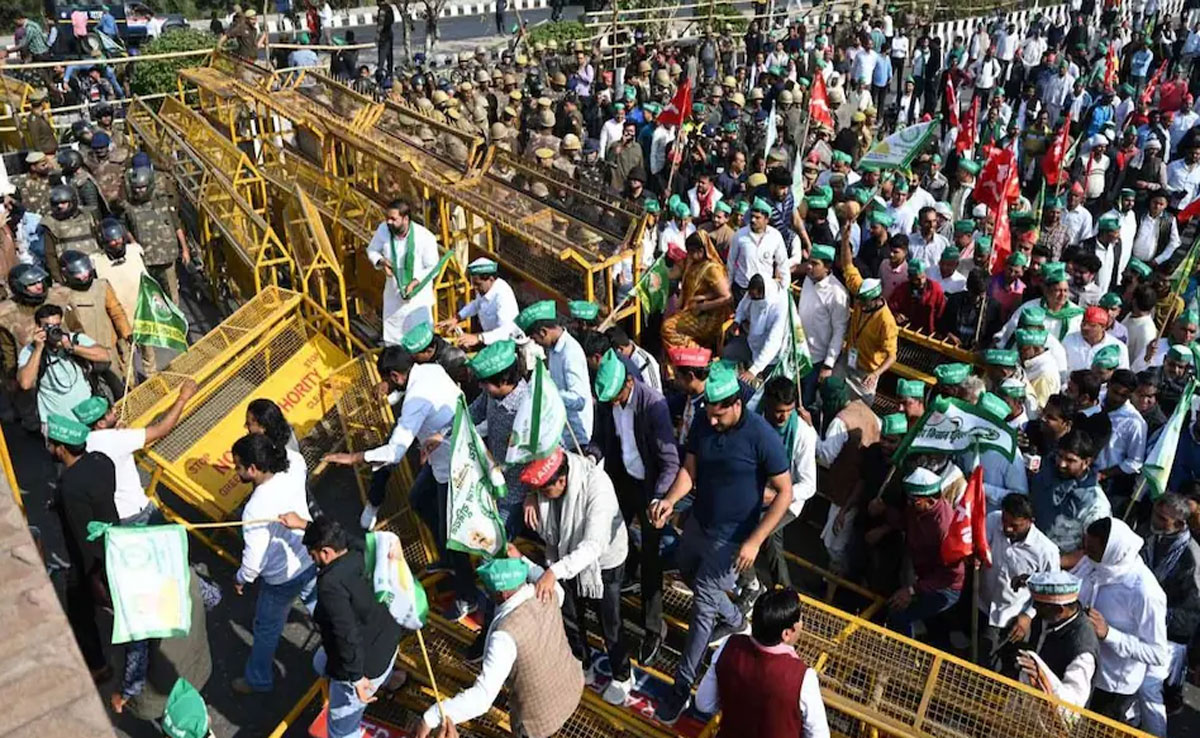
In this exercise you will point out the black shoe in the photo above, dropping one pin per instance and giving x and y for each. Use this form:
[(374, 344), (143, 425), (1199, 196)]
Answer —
[(722, 632), (669, 710), (474, 654), (648, 651)]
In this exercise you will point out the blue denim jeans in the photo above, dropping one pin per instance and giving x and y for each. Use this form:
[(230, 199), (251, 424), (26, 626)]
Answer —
[(706, 565), (270, 615), (924, 605), (345, 709)]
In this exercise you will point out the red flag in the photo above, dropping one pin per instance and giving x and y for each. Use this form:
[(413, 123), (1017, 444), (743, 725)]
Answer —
[(951, 102), (818, 104), (1053, 160), (968, 131), (1001, 239), (1110, 65), (968, 527), (680, 107), (1152, 85), (995, 180), (1191, 211)]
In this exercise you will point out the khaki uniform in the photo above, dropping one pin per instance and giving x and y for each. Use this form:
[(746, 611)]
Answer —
[(565, 165), (41, 134), (109, 177), (90, 199), (541, 140), (77, 233), (124, 276), (101, 317), (35, 192), (155, 225)]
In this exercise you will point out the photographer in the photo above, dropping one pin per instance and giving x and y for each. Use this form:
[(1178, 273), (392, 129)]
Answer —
[(53, 364)]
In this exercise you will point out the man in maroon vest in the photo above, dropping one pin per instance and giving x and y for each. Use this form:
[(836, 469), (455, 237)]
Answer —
[(759, 682)]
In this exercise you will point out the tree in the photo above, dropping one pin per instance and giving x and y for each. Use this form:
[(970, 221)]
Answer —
[(433, 13)]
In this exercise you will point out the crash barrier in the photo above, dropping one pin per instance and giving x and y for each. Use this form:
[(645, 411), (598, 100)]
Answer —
[(282, 346)]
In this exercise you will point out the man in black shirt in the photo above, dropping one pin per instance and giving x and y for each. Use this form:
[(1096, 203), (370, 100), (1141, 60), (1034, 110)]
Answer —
[(358, 634), (85, 493), (385, 18)]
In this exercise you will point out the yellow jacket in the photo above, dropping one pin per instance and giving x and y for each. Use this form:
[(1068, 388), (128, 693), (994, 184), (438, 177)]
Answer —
[(874, 336)]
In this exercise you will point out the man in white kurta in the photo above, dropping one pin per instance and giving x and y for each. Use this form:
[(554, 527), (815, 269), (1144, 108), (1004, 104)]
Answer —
[(494, 305), (406, 252)]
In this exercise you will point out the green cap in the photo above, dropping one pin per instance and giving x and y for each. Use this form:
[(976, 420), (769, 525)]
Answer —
[(583, 310), (1139, 267), (186, 715), (895, 424), (983, 245), (1012, 387), (1055, 203), (951, 375), (482, 266), (913, 388), (922, 483), (493, 359), (723, 207), (1110, 300), (1054, 272), (865, 167), (544, 310), (1108, 357), (901, 185), (803, 82), (761, 205), (966, 225), (1109, 223), (90, 410), (817, 202), (915, 266), (1032, 316), (870, 289), (681, 210), (742, 207), (722, 382), (833, 392), (935, 159), (1181, 354), (418, 338), (503, 575), (66, 430), (993, 405), (1127, 192), (1031, 336), (1018, 259), (1021, 218), (822, 251), (651, 206), (840, 157), (610, 377), (730, 127), (969, 166), (1000, 357), (950, 253), (862, 195), (881, 217)]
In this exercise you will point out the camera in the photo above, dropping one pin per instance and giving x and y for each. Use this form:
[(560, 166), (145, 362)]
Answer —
[(54, 337)]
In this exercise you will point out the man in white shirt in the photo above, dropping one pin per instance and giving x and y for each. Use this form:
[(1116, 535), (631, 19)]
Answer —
[(271, 552), (1082, 345), (925, 243), (1018, 549), (758, 664), (676, 231), (119, 445), (568, 368), (1183, 176), (1120, 462), (899, 56), (863, 67), (611, 131), (1077, 220), (824, 312), (763, 317), (946, 273), (407, 252), (757, 248), (1157, 235), (495, 305)]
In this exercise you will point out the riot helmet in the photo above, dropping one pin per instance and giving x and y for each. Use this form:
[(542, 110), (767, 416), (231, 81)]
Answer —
[(77, 269), (28, 284), (64, 201), (112, 238)]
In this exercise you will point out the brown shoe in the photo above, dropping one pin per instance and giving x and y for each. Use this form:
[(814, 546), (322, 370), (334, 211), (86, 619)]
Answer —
[(240, 686)]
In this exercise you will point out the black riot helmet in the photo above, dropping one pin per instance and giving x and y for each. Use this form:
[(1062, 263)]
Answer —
[(64, 201), (69, 161), (77, 269), (28, 284), (112, 238), (139, 182)]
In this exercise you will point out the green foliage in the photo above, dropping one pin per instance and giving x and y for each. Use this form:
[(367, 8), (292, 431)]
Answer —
[(150, 77), (562, 32), (727, 18)]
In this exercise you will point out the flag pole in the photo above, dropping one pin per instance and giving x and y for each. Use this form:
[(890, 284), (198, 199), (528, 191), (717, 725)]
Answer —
[(975, 610), (437, 695), (1137, 496), (608, 320), (128, 378)]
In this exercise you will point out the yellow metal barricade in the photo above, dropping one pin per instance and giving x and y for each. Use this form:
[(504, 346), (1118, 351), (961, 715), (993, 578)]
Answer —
[(14, 103)]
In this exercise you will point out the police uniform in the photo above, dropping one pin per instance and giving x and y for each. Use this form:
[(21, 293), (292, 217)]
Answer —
[(109, 176), (34, 190), (90, 199), (77, 233), (99, 314), (154, 224)]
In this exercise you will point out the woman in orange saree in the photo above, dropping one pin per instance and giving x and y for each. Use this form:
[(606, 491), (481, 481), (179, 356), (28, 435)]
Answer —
[(706, 300)]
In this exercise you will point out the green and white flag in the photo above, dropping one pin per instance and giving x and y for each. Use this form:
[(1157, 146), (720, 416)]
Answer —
[(538, 427), (149, 579), (898, 150), (394, 584), (772, 131), (654, 287), (473, 523), (950, 425), (157, 321), (1161, 457), (794, 360)]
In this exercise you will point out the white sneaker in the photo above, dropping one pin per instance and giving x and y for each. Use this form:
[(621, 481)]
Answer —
[(367, 519), (617, 692), (590, 675)]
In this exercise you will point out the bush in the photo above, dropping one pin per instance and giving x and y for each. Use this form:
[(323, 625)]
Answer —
[(155, 76), (564, 32)]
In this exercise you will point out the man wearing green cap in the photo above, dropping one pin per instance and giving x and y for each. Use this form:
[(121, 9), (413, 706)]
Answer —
[(679, 226), (527, 642), (732, 457), (1061, 316), (912, 398), (494, 305), (824, 311), (872, 337), (719, 229), (568, 368), (1007, 289), (120, 444), (407, 252), (851, 428), (1002, 477), (499, 371), (946, 272), (1042, 371), (1178, 368), (919, 304), (84, 493), (757, 249)]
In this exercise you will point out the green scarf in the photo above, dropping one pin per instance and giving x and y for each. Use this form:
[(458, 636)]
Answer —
[(787, 432), (405, 275), (1063, 315)]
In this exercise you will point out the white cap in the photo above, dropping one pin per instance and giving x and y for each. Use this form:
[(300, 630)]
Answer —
[(979, 211), (943, 209)]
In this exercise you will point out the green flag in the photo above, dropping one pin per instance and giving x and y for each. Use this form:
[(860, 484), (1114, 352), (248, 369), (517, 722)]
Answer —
[(794, 360), (395, 586), (1161, 457), (148, 576), (157, 321), (654, 287), (473, 523), (541, 417)]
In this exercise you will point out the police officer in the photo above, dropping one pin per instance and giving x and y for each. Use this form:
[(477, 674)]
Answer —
[(544, 138), (97, 310), (102, 114), (70, 163), (570, 153), (67, 228), (106, 171), (34, 186), (120, 263), (151, 218)]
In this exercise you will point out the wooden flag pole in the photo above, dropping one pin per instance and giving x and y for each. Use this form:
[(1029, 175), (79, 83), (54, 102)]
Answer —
[(437, 695)]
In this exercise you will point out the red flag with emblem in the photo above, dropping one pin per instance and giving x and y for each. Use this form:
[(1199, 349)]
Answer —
[(1110, 65), (968, 527), (1152, 85), (1001, 239), (1053, 160), (996, 179), (680, 107), (968, 131), (951, 102), (818, 104)]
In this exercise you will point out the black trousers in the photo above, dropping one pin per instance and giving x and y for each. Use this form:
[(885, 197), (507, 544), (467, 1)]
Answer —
[(500, 8), (608, 612), (81, 614), (1110, 704), (770, 566), (386, 54), (646, 559)]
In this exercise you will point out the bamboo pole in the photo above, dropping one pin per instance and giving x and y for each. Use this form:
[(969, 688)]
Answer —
[(4, 68), (437, 695)]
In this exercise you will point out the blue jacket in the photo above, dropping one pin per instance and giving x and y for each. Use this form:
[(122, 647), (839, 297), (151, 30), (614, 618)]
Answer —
[(1187, 461), (653, 435)]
